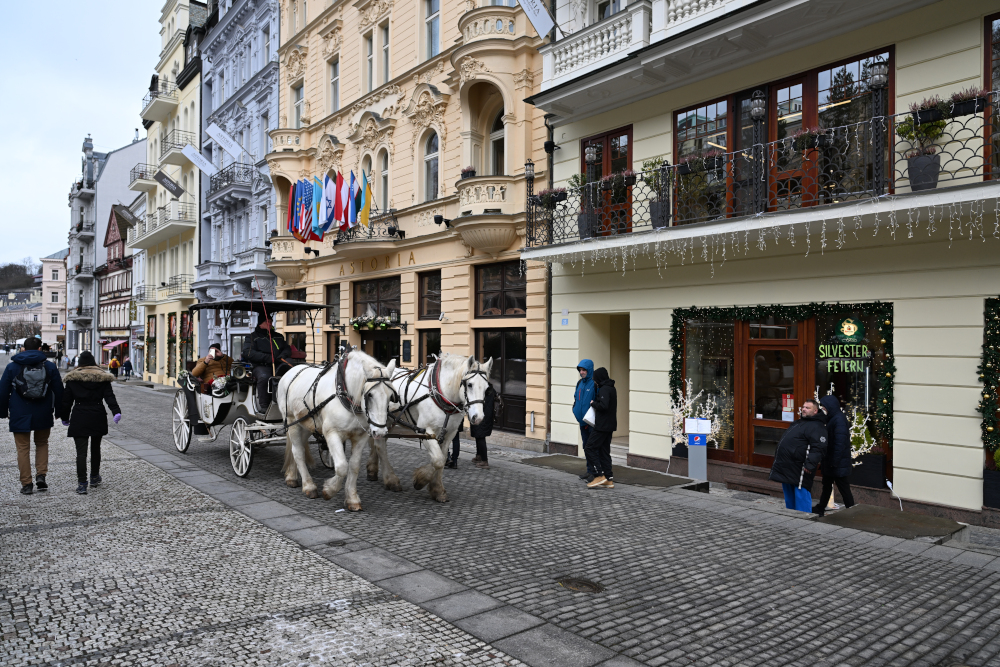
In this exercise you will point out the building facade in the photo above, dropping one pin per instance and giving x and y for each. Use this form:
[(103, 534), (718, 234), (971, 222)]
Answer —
[(425, 99), (136, 312), (114, 290), (766, 220), (170, 111), (54, 299), (240, 96), (80, 291)]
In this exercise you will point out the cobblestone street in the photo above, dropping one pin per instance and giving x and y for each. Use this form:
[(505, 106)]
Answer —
[(148, 569)]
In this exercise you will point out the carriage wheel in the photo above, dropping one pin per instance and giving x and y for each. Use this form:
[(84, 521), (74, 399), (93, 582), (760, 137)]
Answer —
[(180, 423), (324, 453), (241, 448)]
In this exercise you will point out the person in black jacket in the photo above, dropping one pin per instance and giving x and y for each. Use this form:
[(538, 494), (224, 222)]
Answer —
[(88, 387), (598, 447), (267, 350), (799, 454), (837, 462), (484, 429)]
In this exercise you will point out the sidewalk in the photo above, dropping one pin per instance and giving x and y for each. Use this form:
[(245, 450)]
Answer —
[(147, 570)]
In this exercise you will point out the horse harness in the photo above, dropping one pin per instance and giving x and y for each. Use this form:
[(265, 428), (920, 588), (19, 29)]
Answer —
[(433, 377)]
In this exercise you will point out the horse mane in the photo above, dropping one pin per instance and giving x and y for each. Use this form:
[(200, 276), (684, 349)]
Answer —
[(356, 374), (452, 362)]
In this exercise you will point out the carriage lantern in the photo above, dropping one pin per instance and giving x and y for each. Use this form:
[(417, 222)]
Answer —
[(879, 74), (757, 105)]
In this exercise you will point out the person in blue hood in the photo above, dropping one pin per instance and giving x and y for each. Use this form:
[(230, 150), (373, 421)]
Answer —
[(30, 390), (585, 392), (837, 462)]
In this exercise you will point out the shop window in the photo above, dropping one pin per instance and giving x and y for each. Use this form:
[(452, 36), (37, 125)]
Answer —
[(377, 297), (333, 300), (430, 345), (430, 295), (298, 339), (299, 316), (709, 364), (508, 375), (501, 290)]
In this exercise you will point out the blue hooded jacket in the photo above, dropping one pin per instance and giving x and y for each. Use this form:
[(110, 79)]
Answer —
[(585, 391), (26, 416)]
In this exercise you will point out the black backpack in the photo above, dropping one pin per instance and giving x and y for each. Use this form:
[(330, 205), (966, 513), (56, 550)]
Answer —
[(32, 383)]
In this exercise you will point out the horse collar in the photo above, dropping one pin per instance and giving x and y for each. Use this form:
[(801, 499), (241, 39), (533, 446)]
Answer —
[(438, 396)]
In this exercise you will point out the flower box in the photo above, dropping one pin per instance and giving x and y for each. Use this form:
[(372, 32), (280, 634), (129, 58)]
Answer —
[(684, 168), (928, 115), (630, 180), (870, 472), (968, 107)]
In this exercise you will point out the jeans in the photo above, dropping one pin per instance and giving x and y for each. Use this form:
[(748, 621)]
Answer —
[(585, 431), (843, 485), (598, 451), (262, 374), (796, 498), (481, 449), (81, 457), (23, 443)]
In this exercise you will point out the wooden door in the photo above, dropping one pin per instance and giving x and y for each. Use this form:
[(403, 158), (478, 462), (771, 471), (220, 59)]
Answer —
[(793, 181)]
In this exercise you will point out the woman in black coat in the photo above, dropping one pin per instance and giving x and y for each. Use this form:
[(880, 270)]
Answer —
[(484, 429), (88, 387), (837, 462)]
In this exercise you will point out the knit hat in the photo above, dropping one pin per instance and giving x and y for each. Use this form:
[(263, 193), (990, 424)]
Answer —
[(86, 359)]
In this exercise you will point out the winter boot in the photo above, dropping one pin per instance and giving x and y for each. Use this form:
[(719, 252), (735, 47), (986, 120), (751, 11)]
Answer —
[(40, 483), (95, 480), (82, 488)]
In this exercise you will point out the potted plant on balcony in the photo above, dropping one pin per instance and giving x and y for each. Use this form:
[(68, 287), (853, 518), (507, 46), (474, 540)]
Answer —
[(930, 109), (381, 321), (548, 198), (712, 160), (362, 321), (76, 268), (468, 172), (807, 138), (923, 161), (969, 101), (586, 220), (654, 175)]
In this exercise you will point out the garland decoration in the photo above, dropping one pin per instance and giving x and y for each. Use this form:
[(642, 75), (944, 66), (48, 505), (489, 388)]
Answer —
[(883, 417), (989, 375)]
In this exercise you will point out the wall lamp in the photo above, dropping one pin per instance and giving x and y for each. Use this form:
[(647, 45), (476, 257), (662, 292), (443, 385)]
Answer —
[(438, 219), (311, 250)]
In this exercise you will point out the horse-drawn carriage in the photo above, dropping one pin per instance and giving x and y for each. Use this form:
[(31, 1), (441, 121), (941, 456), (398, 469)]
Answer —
[(232, 400)]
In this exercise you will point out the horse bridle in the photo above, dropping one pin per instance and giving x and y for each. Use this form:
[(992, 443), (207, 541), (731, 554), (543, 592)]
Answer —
[(463, 391), (348, 401)]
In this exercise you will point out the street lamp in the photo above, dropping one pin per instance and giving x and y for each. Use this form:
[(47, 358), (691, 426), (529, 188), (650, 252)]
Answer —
[(529, 169), (879, 74), (758, 106)]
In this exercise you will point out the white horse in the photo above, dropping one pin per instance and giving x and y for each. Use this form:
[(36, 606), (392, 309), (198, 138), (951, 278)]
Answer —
[(358, 410), (434, 400)]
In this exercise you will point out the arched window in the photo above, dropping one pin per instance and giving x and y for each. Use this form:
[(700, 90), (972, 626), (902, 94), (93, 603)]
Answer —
[(366, 167), (431, 167), (497, 146), (383, 165)]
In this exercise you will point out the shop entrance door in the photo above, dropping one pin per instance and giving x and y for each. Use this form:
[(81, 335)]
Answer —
[(383, 344), (774, 397), (508, 375)]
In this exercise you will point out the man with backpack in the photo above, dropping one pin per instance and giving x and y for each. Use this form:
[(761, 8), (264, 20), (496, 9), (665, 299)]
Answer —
[(30, 390)]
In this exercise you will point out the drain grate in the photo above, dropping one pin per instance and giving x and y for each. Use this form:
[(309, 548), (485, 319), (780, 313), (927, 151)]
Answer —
[(580, 585), (336, 543)]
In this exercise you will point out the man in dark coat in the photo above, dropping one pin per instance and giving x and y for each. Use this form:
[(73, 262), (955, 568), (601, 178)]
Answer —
[(267, 350), (88, 388), (799, 454), (598, 447), (30, 415), (584, 393), (837, 462), (484, 429)]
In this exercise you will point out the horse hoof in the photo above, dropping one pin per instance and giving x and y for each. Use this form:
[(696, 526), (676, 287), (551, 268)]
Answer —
[(373, 477), (353, 507), (293, 483), (312, 493), (394, 486), (440, 497), (418, 484), (327, 495)]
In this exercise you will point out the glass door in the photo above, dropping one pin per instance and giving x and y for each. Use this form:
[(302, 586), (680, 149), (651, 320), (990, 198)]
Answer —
[(772, 398), (508, 375)]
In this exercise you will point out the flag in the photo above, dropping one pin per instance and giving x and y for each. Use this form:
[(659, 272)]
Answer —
[(305, 224), (364, 209), (353, 196), (317, 200), (338, 204), (296, 214), (344, 197), (291, 208), (329, 194)]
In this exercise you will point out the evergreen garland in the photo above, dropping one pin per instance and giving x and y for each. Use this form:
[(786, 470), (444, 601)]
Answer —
[(883, 417), (989, 375)]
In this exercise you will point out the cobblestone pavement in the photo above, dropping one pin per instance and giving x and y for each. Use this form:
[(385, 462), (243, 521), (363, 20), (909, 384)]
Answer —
[(145, 570), (689, 579)]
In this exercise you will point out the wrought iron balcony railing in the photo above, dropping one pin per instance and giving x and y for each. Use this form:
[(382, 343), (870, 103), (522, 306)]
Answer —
[(146, 293), (142, 171), (179, 285), (381, 227), (83, 312), (82, 270), (234, 174), (176, 140), (884, 155), (163, 90)]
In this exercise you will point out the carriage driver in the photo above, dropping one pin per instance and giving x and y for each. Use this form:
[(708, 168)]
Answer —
[(265, 347)]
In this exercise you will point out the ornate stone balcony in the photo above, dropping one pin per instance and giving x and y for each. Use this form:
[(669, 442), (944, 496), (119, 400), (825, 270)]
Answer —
[(490, 216), (492, 22)]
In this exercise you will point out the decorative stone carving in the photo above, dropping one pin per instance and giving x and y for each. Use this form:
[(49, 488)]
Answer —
[(273, 167), (427, 112), (390, 110), (370, 137), (524, 79), (483, 193), (470, 68), (331, 43), (330, 156), (295, 65), (425, 77), (426, 218), (215, 293), (374, 12), (489, 26)]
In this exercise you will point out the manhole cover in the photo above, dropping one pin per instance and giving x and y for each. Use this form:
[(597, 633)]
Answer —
[(336, 543), (581, 585)]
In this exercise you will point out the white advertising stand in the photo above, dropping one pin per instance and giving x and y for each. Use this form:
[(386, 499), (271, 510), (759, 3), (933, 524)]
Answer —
[(697, 432)]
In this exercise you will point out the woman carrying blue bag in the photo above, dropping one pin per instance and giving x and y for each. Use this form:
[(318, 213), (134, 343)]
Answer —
[(799, 454)]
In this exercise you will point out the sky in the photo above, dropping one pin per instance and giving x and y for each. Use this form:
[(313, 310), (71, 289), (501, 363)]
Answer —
[(67, 70)]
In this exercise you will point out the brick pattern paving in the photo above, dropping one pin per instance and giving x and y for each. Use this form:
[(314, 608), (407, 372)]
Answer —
[(146, 570), (689, 581)]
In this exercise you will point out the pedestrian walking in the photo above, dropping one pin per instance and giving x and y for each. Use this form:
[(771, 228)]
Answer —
[(30, 393), (598, 447), (114, 365), (127, 368), (88, 387), (837, 462), (65, 361), (484, 429), (582, 396), (452, 460), (799, 453)]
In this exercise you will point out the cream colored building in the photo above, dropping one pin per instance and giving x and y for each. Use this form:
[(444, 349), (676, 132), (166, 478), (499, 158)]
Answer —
[(410, 94), (170, 113), (54, 298), (772, 198)]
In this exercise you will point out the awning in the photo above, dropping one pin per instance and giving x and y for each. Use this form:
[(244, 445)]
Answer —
[(111, 346)]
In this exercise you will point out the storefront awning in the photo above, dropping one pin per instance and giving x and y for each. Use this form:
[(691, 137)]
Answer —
[(113, 345)]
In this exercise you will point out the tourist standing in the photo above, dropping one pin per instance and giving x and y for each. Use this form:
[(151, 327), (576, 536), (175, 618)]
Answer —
[(114, 365), (837, 462), (799, 454), (598, 447), (30, 392), (452, 460), (127, 368), (484, 429), (582, 396), (88, 387)]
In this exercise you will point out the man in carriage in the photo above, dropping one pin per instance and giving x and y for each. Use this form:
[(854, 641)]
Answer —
[(270, 355)]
